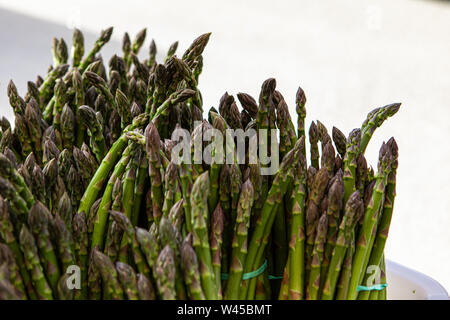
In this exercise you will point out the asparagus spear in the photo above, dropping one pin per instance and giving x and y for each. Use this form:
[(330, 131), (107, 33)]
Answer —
[(81, 248), (31, 257), (300, 102), (176, 215), (171, 51), (240, 239), (8, 237), (112, 288), (374, 120), (77, 47), (351, 154), (8, 171), (139, 188), (127, 278), (340, 141), (352, 209), (199, 205), (88, 117), (16, 102), (94, 280), (7, 258), (64, 243), (64, 293), (7, 290), (138, 41), (145, 288), (132, 242), (149, 246), (169, 235), (294, 273), (153, 148), (344, 278), (264, 223), (312, 291), (190, 266), (363, 247), (216, 240), (105, 35), (314, 150), (335, 205), (376, 255), (171, 186), (108, 162), (312, 213), (165, 270), (102, 213), (40, 220)]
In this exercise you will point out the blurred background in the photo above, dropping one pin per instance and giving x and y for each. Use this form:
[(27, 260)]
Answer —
[(348, 56)]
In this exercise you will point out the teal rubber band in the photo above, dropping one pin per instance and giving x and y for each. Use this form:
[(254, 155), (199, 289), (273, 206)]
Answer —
[(255, 273), (379, 286), (249, 275), (275, 277)]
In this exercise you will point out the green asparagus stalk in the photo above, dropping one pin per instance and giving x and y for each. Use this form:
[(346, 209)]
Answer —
[(190, 266), (40, 220), (153, 148), (335, 205), (216, 240), (351, 213), (8, 171), (64, 243), (165, 270), (312, 291), (81, 248), (105, 35), (94, 280), (139, 188), (145, 288), (264, 223), (105, 204), (300, 102), (199, 205), (31, 257), (7, 258), (314, 150), (89, 119), (110, 279), (344, 278), (240, 240), (363, 247), (351, 154), (376, 254), (127, 279), (312, 213), (64, 293), (131, 241), (374, 120), (295, 271)]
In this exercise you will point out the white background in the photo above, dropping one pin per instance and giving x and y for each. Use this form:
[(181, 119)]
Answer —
[(348, 56)]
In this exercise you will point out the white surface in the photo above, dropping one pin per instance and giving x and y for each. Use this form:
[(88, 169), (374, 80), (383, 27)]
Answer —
[(407, 284), (349, 57)]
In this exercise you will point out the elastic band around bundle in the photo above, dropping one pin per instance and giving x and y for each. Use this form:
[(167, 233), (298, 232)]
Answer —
[(379, 286), (249, 275)]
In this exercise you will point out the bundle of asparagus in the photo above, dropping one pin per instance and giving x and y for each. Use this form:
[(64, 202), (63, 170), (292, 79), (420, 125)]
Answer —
[(89, 183)]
